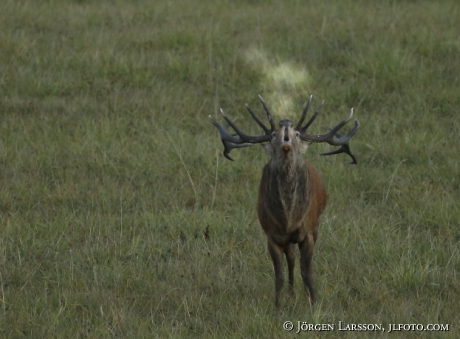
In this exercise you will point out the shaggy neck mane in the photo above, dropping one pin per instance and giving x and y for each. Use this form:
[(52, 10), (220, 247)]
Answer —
[(290, 172), (287, 165)]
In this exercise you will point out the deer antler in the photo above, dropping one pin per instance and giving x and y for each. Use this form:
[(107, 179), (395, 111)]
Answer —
[(241, 139), (342, 141)]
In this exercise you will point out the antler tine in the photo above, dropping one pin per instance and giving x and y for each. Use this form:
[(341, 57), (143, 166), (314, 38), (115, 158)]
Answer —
[(346, 147), (260, 123), (240, 139), (244, 137), (223, 131), (228, 146), (304, 113), (313, 117), (343, 149), (269, 116), (228, 140), (328, 137), (341, 140)]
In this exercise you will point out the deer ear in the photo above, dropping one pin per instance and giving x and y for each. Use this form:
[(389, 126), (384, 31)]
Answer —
[(267, 147)]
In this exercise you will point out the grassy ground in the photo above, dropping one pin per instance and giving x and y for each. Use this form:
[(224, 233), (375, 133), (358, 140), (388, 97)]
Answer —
[(121, 218)]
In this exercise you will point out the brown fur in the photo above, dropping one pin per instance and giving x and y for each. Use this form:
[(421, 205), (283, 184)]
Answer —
[(292, 198)]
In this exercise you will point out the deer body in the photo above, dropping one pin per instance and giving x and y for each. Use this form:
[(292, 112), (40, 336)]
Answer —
[(292, 196), (291, 199), (288, 212)]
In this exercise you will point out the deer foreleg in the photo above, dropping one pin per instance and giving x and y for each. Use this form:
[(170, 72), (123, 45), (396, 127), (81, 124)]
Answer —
[(290, 258), (306, 255), (276, 254)]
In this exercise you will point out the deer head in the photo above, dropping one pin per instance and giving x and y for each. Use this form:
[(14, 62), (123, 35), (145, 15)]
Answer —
[(286, 141)]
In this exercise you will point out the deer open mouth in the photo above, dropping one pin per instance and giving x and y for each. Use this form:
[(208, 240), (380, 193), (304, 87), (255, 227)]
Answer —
[(286, 146)]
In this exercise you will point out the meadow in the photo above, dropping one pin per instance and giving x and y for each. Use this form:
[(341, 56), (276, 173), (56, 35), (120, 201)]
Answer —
[(120, 217)]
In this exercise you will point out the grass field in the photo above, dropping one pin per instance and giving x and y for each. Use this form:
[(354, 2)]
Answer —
[(121, 218)]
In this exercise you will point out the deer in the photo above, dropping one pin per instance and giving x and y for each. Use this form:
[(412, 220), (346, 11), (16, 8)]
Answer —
[(292, 195)]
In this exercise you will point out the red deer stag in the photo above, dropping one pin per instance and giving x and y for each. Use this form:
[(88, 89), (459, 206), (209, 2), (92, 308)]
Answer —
[(292, 195)]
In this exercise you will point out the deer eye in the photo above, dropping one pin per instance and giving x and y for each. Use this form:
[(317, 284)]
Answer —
[(297, 134), (273, 134)]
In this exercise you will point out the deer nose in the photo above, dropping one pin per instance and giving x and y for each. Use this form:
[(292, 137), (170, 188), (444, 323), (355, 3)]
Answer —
[(286, 134)]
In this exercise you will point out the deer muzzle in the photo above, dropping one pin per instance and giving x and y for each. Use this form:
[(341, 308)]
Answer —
[(286, 139)]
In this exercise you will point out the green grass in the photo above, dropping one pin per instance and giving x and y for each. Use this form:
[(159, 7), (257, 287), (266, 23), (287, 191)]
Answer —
[(121, 218)]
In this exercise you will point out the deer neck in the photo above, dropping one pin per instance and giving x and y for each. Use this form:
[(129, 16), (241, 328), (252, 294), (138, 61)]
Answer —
[(288, 167), (289, 182)]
